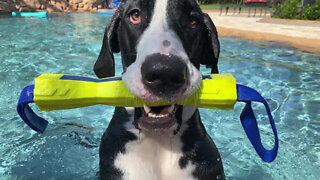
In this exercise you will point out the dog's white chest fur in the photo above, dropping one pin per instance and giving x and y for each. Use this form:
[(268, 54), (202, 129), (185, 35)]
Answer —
[(153, 157)]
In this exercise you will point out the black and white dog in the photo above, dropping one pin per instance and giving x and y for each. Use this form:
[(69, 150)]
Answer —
[(162, 44)]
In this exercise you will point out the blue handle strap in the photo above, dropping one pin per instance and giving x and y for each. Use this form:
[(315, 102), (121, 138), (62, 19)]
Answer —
[(250, 125), (26, 97), (29, 117)]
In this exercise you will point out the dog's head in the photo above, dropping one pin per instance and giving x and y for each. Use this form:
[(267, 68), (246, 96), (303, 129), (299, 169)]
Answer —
[(162, 44)]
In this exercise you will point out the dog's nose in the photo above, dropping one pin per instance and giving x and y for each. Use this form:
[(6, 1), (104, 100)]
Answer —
[(163, 75)]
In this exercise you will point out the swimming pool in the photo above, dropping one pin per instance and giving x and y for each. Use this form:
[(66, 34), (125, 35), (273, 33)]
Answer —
[(69, 43)]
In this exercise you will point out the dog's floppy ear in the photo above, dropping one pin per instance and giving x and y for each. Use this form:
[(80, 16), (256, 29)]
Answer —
[(104, 66), (212, 45)]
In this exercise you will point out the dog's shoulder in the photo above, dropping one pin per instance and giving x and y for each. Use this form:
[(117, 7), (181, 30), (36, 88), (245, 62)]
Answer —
[(199, 150), (113, 141), (116, 136)]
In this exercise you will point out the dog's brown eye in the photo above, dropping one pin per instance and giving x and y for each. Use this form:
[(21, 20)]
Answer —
[(193, 22), (135, 17)]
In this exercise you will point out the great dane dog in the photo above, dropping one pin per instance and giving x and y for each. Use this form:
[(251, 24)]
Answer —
[(162, 44)]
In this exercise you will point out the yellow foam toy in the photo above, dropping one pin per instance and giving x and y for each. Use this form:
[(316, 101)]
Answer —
[(59, 91), (218, 91)]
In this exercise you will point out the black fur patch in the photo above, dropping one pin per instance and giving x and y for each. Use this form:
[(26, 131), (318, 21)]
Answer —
[(200, 150)]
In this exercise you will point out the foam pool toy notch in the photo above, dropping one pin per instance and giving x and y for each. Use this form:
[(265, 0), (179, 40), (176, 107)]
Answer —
[(217, 91), (42, 14)]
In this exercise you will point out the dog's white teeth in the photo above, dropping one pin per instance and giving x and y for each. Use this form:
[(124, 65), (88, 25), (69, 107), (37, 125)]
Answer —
[(152, 115), (157, 115), (146, 108), (171, 108), (148, 111), (164, 115)]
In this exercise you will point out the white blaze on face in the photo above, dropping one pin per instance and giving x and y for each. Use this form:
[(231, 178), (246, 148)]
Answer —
[(159, 38)]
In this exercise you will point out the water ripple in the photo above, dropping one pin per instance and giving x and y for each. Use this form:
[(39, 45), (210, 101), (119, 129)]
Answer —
[(70, 43)]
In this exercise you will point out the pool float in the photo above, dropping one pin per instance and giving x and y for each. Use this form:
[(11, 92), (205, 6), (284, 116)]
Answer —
[(217, 91), (105, 11), (42, 14)]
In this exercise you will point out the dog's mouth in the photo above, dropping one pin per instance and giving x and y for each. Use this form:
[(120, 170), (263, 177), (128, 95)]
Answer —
[(159, 118)]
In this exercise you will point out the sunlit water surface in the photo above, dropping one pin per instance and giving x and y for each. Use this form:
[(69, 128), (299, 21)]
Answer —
[(69, 43)]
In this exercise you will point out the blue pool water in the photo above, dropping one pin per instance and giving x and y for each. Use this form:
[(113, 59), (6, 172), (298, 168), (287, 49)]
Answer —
[(69, 43)]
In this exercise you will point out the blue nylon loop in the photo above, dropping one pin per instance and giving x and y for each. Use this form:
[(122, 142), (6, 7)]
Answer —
[(250, 125), (29, 117)]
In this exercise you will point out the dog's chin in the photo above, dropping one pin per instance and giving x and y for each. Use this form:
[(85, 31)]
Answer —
[(160, 119)]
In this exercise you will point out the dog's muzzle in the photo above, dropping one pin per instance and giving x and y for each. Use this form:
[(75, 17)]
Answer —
[(164, 75)]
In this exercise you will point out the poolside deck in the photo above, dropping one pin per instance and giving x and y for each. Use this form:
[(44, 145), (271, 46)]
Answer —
[(304, 35)]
